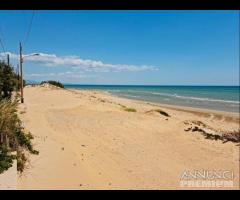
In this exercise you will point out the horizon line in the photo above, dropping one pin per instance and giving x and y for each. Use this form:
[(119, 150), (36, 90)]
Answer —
[(147, 85)]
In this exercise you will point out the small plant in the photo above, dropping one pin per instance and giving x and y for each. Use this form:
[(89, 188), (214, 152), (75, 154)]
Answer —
[(21, 161), (130, 109), (24, 140), (127, 109), (102, 100), (162, 113)]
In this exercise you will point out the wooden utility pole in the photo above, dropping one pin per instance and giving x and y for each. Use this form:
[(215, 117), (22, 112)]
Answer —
[(8, 62), (17, 71), (21, 73)]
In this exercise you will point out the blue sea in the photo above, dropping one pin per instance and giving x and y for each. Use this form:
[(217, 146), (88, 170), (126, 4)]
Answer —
[(221, 98)]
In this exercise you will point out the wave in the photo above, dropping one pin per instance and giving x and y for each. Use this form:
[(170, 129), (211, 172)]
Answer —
[(169, 95), (126, 95), (193, 98)]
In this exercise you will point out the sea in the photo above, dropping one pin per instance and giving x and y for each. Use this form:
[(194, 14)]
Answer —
[(220, 98)]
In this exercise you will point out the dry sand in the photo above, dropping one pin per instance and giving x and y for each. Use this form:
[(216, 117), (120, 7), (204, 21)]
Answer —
[(88, 141)]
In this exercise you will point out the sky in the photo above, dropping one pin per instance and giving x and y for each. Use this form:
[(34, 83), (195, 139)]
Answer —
[(125, 47)]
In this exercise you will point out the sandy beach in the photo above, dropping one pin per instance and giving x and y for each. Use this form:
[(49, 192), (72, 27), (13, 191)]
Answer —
[(90, 140)]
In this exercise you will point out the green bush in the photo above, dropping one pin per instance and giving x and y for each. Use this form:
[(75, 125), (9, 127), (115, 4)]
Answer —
[(24, 140), (6, 160), (162, 112), (21, 161), (56, 83), (130, 109), (12, 136), (9, 80)]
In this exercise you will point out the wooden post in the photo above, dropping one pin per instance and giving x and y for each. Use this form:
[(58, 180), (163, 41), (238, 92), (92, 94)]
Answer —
[(21, 73), (17, 71), (8, 62)]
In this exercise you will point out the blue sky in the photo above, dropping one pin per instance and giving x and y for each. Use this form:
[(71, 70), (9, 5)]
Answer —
[(126, 47)]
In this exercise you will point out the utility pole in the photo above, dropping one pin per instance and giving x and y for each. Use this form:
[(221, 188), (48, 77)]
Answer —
[(8, 62), (17, 71), (21, 73)]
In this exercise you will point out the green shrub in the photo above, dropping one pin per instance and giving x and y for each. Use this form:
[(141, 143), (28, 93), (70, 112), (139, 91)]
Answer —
[(6, 160), (56, 83), (12, 135), (7, 80), (24, 140), (130, 109), (21, 161), (162, 112)]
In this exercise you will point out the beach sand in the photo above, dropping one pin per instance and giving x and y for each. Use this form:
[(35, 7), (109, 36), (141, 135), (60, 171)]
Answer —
[(87, 140)]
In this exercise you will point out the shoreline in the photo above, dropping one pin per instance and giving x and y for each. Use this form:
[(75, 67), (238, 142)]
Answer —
[(235, 115), (205, 102)]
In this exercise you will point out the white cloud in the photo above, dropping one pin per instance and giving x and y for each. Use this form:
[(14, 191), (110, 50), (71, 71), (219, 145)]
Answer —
[(67, 74), (75, 62)]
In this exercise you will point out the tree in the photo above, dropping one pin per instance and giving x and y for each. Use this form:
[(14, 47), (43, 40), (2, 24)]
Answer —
[(8, 80)]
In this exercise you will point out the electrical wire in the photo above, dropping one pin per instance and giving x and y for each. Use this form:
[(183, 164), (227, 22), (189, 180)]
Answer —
[(2, 45), (29, 28), (3, 48), (1, 41)]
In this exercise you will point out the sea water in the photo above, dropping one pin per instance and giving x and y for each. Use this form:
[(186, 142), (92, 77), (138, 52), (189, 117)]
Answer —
[(221, 98)]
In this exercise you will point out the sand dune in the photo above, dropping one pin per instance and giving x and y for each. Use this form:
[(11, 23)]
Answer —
[(87, 140)]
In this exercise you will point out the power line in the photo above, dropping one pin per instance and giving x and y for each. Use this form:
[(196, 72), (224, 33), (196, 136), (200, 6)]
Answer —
[(1, 32), (2, 57), (29, 28), (2, 44), (1, 41)]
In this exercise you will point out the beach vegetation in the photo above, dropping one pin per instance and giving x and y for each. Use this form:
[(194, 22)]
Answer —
[(13, 136), (6, 159), (130, 109), (127, 109), (55, 83), (162, 112), (9, 80), (21, 161)]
